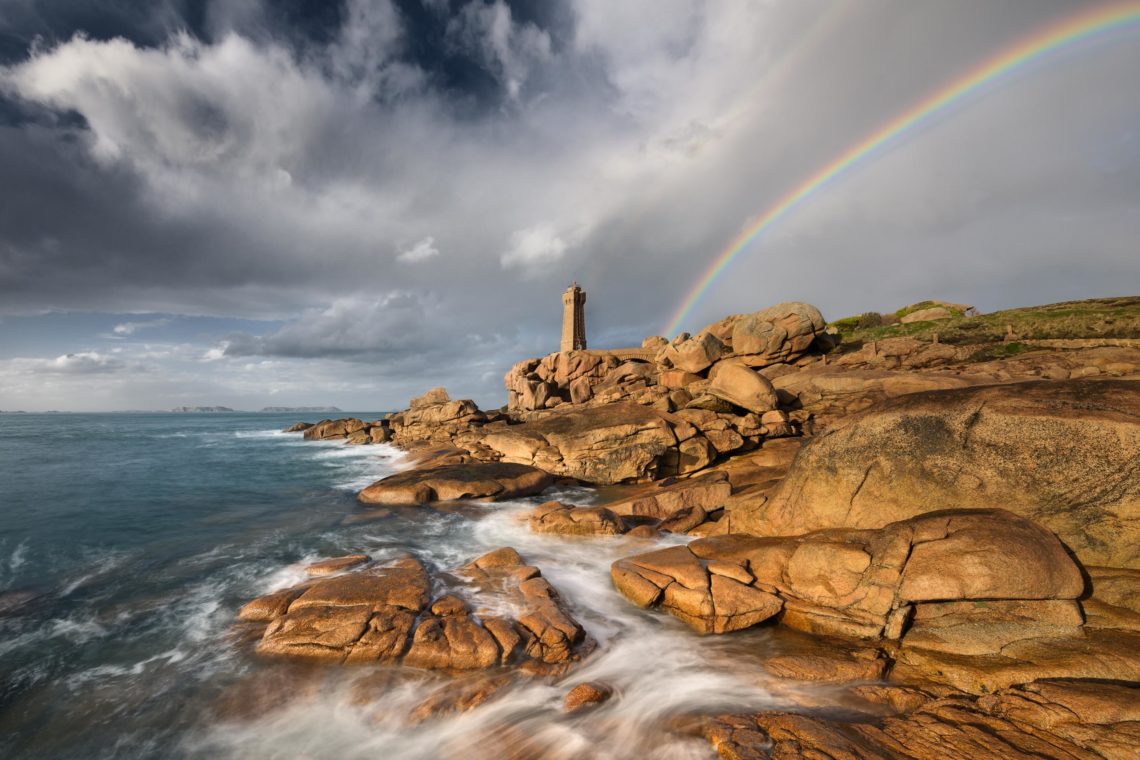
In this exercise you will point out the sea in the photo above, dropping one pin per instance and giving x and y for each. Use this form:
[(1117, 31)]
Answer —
[(129, 541)]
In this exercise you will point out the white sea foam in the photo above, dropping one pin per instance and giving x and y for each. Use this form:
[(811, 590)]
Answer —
[(74, 630), (104, 672), (284, 577), (264, 434), (18, 556), (358, 466), (99, 566), (657, 667)]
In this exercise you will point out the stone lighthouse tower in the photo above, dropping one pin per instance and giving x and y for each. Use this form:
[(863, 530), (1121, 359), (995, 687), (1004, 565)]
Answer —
[(573, 319)]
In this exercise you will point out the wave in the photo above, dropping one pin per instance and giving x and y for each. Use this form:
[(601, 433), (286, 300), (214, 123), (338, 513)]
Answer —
[(76, 631), (264, 434), (103, 564), (10, 568)]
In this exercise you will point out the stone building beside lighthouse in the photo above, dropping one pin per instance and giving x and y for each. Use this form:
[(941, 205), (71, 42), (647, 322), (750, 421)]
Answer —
[(573, 319)]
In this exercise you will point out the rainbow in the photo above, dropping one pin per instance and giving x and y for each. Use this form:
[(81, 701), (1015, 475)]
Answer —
[(1068, 31)]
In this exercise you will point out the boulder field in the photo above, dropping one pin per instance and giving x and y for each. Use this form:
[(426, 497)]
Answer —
[(951, 530)]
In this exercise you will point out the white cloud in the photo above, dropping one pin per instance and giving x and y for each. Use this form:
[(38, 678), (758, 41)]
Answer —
[(421, 251), (77, 363), (534, 248), (130, 328), (216, 353), (82, 363)]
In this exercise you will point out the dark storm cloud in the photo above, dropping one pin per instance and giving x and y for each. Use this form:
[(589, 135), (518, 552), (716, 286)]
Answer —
[(408, 181)]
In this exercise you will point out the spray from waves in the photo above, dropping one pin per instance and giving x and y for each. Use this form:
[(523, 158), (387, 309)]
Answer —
[(357, 466), (99, 564), (18, 556), (171, 672), (654, 664), (75, 630), (263, 434), (10, 568)]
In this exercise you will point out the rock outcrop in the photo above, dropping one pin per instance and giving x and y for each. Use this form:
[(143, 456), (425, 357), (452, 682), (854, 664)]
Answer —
[(434, 419), (556, 517), (692, 355), (587, 695), (855, 583), (382, 614), (604, 444), (831, 393), (1065, 454), (674, 375), (741, 386), (780, 333), (707, 491), (568, 376), (485, 481)]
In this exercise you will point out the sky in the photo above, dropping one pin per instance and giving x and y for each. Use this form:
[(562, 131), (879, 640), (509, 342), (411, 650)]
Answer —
[(252, 203)]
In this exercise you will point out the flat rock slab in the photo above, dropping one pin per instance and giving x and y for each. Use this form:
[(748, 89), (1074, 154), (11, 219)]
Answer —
[(490, 481)]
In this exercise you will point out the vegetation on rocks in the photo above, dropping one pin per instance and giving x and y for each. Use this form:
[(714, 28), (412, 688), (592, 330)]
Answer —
[(1102, 318)]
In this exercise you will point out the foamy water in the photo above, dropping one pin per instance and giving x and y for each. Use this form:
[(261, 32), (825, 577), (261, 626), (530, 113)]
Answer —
[(133, 567)]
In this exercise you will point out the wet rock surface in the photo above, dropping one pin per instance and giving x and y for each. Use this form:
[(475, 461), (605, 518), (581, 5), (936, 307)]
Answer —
[(491, 481), (587, 695), (556, 517), (384, 614)]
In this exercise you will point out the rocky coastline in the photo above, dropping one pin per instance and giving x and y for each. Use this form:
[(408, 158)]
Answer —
[(949, 533)]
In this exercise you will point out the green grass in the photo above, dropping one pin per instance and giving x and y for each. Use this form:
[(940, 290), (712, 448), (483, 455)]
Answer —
[(1095, 318), (992, 351)]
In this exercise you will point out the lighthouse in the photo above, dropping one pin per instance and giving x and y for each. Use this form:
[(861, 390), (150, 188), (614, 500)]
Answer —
[(573, 319)]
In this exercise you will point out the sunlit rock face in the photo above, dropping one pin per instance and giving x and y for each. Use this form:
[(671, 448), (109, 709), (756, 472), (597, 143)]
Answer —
[(1061, 453), (854, 583), (384, 614)]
